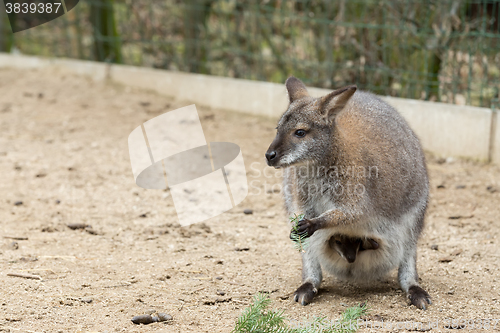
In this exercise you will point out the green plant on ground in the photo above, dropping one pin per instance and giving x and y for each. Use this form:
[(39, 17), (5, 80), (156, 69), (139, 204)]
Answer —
[(257, 318)]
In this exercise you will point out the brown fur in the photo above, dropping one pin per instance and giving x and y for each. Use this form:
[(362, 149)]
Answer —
[(318, 141)]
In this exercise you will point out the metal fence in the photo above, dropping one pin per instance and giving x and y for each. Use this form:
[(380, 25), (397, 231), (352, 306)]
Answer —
[(443, 50)]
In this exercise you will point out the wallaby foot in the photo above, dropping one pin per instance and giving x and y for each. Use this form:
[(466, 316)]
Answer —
[(408, 279), (418, 297), (305, 293)]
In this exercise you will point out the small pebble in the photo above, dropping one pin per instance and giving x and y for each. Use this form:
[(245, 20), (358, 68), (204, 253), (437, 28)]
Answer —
[(445, 259), (459, 187), (143, 319), (48, 229), (18, 203), (90, 230), (164, 316), (75, 226), (435, 247), (14, 245), (218, 277), (148, 319), (221, 293), (491, 189), (270, 214), (248, 211), (87, 300)]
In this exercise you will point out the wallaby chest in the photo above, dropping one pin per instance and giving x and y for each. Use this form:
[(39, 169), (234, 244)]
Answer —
[(315, 190)]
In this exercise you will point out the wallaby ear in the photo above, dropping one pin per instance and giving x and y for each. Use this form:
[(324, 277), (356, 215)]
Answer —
[(296, 89), (335, 101), (369, 244)]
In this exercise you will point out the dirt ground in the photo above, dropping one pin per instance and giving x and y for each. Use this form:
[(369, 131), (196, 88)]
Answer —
[(64, 155)]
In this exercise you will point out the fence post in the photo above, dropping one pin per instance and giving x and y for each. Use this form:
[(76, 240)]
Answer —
[(195, 16), (107, 41), (5, 30), (493, 130)]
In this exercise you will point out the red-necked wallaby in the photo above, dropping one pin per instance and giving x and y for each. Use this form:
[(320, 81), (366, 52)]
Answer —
[(353, 167)]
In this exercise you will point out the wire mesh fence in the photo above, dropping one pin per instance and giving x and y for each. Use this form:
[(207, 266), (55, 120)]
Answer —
[(442, 50)]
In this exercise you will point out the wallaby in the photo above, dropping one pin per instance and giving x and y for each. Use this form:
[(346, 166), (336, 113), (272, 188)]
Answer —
[(352, 166), (349, 247)]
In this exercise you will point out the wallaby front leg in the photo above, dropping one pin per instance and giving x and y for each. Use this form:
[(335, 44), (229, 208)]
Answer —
[(311, 279), (328, 219)]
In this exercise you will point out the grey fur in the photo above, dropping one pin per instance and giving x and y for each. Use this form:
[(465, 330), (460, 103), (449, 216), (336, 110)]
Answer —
[(384, 198)]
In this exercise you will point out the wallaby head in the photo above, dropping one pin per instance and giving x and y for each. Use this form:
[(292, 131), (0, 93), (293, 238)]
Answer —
[(346, 247), (305, 130)]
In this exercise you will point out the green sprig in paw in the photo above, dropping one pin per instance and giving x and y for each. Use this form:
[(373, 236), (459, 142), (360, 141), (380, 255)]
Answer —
[(300, 240)]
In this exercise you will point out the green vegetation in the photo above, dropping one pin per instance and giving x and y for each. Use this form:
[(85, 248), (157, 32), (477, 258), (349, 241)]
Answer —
[(300, 240), (257, 318), (445, 50)]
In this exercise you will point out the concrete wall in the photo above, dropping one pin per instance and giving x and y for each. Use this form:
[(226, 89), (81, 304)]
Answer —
[(495, 147), (95, 70), (444, 129), (448, 130), (246, 96)]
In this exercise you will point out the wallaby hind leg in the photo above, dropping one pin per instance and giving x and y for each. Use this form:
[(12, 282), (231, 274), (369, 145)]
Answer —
[(408, 279), (311, 279)]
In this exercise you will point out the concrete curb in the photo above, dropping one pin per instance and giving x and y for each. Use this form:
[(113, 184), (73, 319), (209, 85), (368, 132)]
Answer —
[(495, 139), (444, 129)]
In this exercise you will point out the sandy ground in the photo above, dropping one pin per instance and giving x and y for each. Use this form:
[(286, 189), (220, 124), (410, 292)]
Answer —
[(64, 155)]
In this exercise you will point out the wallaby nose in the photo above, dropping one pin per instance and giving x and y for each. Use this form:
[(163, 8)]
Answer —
[(350, 259), (270, 155)]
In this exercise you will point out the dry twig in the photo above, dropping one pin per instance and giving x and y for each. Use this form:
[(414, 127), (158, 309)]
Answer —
[(25, 276)]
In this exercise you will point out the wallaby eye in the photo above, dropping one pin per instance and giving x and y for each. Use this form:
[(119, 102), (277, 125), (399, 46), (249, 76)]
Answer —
[(300, 133), (338, 242)]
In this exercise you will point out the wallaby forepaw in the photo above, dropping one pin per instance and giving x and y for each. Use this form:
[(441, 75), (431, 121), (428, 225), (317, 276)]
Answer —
[(306, 226), (419, 297), (302, 228), (305, 293)]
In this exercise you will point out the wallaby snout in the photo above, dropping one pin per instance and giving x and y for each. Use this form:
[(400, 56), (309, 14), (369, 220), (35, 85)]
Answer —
[(350, 258), (270, 156), (274, 153)]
